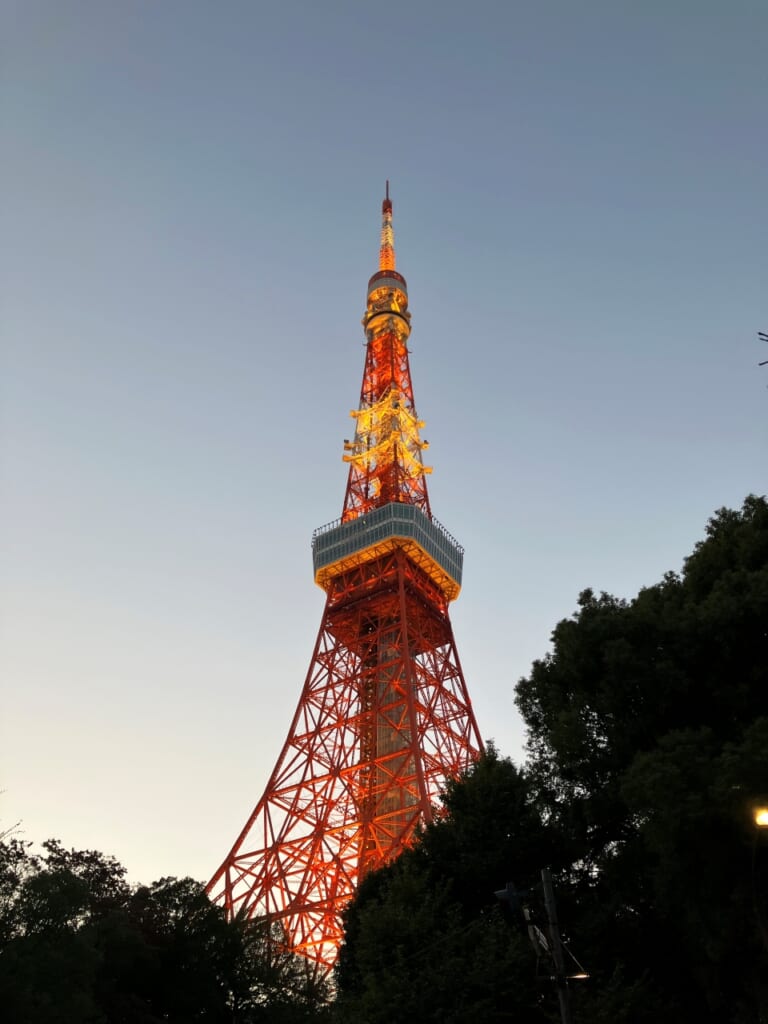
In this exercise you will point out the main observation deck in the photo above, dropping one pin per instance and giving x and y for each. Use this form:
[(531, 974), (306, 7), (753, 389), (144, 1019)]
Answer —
[(340, 546)]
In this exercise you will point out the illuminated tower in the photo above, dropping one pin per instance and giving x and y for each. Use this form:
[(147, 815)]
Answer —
[(384, 715)]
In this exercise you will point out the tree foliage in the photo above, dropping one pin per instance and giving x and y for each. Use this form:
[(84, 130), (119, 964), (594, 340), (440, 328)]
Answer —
[(78, 945), (426, 938), (648, 744), (647, 727)]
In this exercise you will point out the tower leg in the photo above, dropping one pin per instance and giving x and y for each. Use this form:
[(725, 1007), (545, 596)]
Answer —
[(383, 718)]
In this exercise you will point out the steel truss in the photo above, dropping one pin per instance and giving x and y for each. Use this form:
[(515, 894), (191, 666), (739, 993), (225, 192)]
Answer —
[(383, 718)]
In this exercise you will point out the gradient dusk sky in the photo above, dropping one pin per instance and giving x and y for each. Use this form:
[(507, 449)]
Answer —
[(191, 196)]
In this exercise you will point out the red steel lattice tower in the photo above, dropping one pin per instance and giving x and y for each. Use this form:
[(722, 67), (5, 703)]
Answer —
[(384, 715)]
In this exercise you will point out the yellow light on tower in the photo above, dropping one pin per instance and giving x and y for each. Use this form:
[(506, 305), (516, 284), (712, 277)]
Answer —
[(761, 817)]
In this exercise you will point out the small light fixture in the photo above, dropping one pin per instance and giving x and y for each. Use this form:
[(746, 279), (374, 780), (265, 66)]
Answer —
[(760, 816)]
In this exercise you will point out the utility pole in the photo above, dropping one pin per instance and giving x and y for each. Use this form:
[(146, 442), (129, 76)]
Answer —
[(557, 947)]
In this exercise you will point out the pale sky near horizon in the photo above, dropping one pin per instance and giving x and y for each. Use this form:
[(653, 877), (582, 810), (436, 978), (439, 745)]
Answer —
[(190, 197)]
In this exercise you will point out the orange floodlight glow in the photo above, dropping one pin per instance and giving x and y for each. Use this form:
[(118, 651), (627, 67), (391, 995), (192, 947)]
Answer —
[(384, 715)]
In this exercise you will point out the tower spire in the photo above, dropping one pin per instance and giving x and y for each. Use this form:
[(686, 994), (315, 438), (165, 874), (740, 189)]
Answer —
[(386, 454), (387, 248)]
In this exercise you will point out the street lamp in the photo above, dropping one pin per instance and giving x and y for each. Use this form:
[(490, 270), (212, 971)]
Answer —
[(760, 819)]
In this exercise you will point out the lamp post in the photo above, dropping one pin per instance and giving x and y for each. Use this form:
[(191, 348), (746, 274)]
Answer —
[(547, 945), (561, 980)]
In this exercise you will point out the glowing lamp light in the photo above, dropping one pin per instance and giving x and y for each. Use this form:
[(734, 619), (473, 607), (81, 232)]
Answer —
[(761, 817)]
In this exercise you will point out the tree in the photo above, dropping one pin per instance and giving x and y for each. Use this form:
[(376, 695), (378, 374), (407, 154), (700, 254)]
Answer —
[(48, 962), (78, 944), (648, 742), (425, 938), (648, 725)]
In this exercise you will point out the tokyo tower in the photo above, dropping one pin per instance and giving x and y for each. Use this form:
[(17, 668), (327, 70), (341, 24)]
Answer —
[(384, 715)]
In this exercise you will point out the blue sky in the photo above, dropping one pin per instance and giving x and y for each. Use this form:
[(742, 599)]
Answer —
[(191, 196)]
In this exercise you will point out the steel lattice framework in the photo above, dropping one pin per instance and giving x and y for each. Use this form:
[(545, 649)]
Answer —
[(384, 715)]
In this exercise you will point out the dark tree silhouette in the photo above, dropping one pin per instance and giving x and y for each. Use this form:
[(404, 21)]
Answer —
[(78, 944), (648, 744)]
